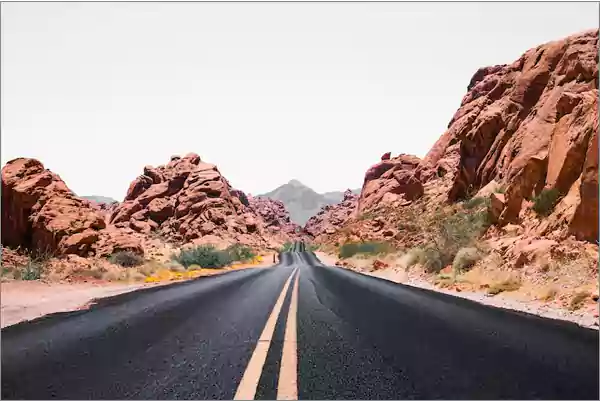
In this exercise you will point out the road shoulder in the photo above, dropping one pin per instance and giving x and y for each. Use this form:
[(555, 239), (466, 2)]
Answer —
[(583, 318)]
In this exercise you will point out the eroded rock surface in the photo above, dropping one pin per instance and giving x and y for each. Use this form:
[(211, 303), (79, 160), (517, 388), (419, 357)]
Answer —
[(332, 217), (41, 214), (529, 125)]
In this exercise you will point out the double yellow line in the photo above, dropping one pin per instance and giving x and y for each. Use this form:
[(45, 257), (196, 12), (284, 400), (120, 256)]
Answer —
[(287, 387)]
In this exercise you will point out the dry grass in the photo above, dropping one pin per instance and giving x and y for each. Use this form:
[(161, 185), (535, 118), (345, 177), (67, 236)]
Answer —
[(410, 258), (578, 300), (150, 267), (466, 258), (510, 283), (547, 293), (445, 280)]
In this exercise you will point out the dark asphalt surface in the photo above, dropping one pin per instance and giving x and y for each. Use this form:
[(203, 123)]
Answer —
[(359, 337)]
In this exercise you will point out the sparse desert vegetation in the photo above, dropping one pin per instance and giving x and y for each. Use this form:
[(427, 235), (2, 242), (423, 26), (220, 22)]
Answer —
[(350, 249), (208, 256), (544, 203)]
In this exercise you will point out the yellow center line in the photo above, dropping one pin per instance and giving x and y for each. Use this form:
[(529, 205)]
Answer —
[(287, 387), (247, 388)]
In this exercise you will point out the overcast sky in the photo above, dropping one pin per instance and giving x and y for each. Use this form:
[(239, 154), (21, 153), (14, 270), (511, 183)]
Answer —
[(266, 91)]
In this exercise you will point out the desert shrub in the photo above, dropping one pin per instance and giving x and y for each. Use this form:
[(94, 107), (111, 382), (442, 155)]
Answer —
[(32, 270), (456, 231), (96, 271), (411, 258), (466, 258), (312, 247), (204, 255), (475, 202), (350, 249), (240, 253), (511, 283), (432, 259), (547, 293), (176, 267), (207, 256), (126, 259), (445, 280), (578, 300), (113, 275), (133, 275), (150, 267), (287, 247), (544, 203)]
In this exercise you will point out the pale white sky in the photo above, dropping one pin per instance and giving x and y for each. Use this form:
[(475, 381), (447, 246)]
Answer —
[(266, 91)]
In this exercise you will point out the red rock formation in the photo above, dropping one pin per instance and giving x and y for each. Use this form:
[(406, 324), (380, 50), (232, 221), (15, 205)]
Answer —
[(386, 156), (395, 176), (331, 217), (188, 200), (530, 125), (274, 214), (276, 219), (41, 214), (521, 128)]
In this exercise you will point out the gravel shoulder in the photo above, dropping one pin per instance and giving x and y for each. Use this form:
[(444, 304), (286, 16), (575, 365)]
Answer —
[(586, 317)]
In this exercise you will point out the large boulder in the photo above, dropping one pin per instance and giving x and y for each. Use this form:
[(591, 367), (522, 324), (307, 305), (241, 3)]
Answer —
[(332, 217), (275, 216), (394, 176)]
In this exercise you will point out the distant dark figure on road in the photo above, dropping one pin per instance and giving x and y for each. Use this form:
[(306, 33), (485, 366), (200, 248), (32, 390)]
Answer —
[(274, 261)]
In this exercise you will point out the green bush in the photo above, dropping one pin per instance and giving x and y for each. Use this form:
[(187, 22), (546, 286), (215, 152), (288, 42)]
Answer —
[(207, 256), (544, 203), (204, 255), (126, 259), (240, 253), (350, 249)]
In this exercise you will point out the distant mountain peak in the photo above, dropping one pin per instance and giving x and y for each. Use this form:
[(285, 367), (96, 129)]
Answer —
[(296, 183), (301, 201)]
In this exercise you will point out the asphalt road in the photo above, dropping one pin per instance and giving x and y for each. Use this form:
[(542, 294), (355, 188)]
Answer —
[(358, 337)]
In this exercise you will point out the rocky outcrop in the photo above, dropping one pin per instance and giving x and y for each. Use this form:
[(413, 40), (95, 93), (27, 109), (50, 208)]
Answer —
[(189, 201), (274, 214), (331, 217), (41, 214), (530, 126), (395, 177)]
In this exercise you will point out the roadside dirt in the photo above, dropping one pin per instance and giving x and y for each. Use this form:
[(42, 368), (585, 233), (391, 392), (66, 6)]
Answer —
[(27, 300), (587, 316)]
